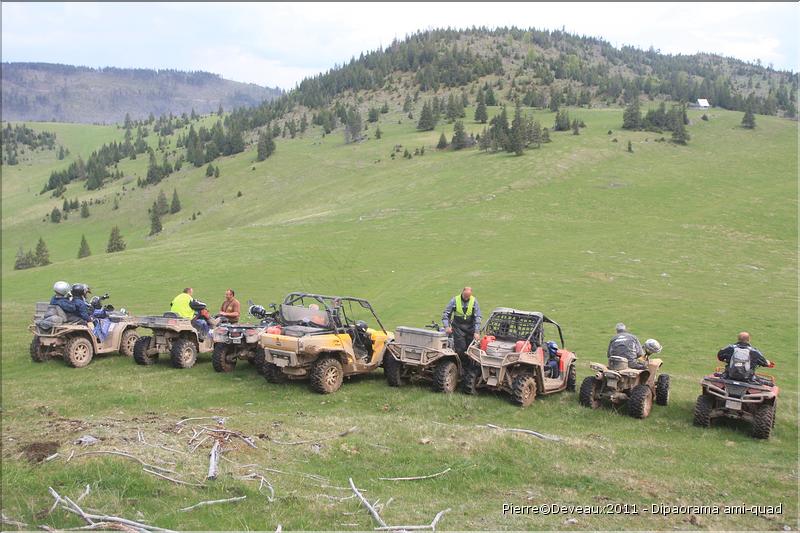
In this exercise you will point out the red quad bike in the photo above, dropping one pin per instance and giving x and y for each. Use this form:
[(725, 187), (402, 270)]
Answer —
[(511, 356), (754, 401)]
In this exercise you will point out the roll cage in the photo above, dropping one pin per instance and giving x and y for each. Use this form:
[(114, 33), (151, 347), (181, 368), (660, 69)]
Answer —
[(515, 325), (335, 312)]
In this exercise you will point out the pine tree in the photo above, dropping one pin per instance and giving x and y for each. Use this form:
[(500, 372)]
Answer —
[(161, 205), (262, 147), (749, 119), (42, 254), (481, 115), (84, 210), (175, 206), (632, 117), (426, 118), (23, 260), (490, 99), (630, 147), (55, 215), (155, 222), (536, 134), (84, 250), (555, 99), (545, 136), (576, 127), (517, 134), (115, 241), (378, 133), (679, 134), (216, 172), (442, 142), (407, 104), (209, 170), (562, 121), (459, 136)]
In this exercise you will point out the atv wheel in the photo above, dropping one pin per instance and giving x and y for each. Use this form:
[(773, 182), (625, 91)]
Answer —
[(128, 342), (588, 396), (763, 420), (38, 355), (469, 383), (393, 370), (273, 373), (662, 389), (183, 353), (219, 358), (258, 361), (445, 376), (702, 411), (640, 402), (140, 349), (327, 375), (572, 379), (523, 390), (78, 352)]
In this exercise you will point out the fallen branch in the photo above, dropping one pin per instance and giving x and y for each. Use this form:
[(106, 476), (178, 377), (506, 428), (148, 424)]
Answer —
[(85, 493), (213, 461), (72, 507), (431, 526), (129, 456), (312, 441), (212, 502), (526, 431), (11, 522), (366, 504), (50, 457), (217, 419), (245, 438), (262, 482), (178, 481), (414, 477)]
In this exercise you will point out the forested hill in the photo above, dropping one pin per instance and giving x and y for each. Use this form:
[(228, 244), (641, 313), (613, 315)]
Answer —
[(540, 66), (64, 93)]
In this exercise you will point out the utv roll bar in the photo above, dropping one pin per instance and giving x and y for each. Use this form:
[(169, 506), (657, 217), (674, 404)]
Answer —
[(329, 303)]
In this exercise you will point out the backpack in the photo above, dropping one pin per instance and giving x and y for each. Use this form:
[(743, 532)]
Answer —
[(739, 367), (54, 316)]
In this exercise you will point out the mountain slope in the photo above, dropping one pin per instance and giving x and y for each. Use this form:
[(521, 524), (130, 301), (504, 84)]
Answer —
[(63, 93)]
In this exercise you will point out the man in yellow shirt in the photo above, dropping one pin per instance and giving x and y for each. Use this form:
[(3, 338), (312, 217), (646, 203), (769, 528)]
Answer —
[(180, 304)]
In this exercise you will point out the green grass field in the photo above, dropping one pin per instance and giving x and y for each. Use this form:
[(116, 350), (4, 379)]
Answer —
[(685, 244)]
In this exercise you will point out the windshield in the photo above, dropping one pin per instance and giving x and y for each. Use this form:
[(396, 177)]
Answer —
[(294, 314)]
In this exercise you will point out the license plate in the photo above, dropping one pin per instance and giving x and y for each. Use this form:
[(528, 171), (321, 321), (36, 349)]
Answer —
[(236, 340), (733, 404)]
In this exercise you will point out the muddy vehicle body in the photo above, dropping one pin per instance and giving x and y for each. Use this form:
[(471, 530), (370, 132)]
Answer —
[(754, 401), (233, 342), (617, 384), (512, 356), (77, 343), (171, 335), (323, 339), (425, 353)]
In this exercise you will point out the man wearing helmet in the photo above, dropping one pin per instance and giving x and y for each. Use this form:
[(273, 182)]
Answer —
[(79, 292), (741, 359), (627, 345)]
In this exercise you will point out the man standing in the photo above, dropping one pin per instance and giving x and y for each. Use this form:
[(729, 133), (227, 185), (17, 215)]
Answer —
[(230, 307), (741, 359), (180, 304), (627, 345), (462, 319)]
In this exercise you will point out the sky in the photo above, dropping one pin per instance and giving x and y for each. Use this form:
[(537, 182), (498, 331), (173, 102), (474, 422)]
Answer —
[(279, 44)]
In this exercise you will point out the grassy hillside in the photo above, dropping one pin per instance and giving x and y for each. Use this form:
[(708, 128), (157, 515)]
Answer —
[(685, 244), (65, 93)]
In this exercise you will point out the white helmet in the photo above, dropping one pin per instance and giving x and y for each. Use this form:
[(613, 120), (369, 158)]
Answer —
[(61, 288), (652, 346)]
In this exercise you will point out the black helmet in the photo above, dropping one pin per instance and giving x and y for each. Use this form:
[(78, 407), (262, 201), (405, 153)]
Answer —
[(362, 325), (80, 290), (197, 305)]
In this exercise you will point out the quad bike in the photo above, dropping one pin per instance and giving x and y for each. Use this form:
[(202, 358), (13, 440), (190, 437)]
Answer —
[(510, 356), (754, 401), (173, 335), (426, 353), (616, 383), (320, 338), (77, 343), (241, 341)]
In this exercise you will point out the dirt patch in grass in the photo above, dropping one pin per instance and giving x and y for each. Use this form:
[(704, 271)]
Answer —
[(36, 452)]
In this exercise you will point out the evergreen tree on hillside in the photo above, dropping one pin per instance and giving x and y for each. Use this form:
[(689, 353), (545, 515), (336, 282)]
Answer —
[(42, 254), (576, 127), (562, 121), (426, 120), (55, 215), (161, 204), (632, 116), (481, 115), (536, 134), (373, 114), (459, 136), (155, 221), (516, 142), (555, 99), (24, 260), (749, 119), (261, 151), (84, 250), (407, 104), (153, 170), (353, 127), (115, 241), (175, 206), (84, 210), (209, 170), (216, 171), (378, 133), (490, 99), (303, 124), (442, 144)]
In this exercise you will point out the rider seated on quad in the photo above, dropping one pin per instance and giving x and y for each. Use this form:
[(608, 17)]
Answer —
[(741, 359), (553, 363), (82, 313), (627, 345), (185, 306)]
